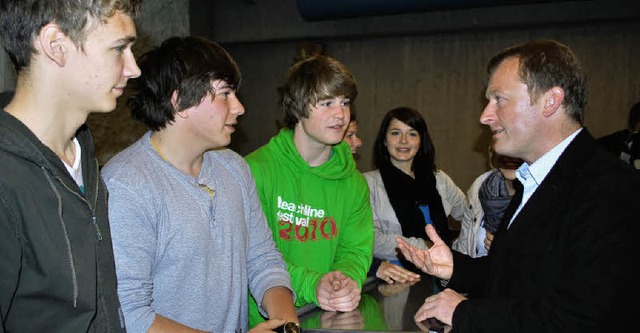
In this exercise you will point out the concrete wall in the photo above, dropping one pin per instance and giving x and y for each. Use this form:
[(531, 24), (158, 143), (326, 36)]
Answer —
[(433, 61), (254, 21), (158, 20)]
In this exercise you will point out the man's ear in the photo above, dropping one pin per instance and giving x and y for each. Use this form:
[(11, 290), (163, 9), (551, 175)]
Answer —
[(53, 43), (552, 100)]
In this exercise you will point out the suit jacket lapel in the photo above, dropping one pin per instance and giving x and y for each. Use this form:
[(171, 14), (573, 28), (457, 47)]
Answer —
[(548, 197)]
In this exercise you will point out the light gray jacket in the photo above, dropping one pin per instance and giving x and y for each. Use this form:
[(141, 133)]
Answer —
[(473, 215), (385, 222)]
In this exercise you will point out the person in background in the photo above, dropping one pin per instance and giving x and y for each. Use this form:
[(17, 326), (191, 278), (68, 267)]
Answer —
[(379, 268), (407, 191), (625, 143), (562, 259), (72, 58), (189, 236), (316, 201), (351, 135), (488, 198)]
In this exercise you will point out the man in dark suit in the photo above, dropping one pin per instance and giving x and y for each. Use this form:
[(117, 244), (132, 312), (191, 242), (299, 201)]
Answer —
[(562, 260)]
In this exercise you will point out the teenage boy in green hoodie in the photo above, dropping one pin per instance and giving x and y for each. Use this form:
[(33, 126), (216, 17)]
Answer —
[(314, 198)]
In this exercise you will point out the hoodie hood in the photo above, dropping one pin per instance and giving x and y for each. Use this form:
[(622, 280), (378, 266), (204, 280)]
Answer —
[(17, 139), (339, 166)]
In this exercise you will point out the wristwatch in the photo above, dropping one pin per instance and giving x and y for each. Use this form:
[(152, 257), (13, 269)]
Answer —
[(289, 327)]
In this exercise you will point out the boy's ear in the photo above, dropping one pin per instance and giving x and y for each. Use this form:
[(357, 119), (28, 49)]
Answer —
[(176, 107), (174, 99), (53, 43)]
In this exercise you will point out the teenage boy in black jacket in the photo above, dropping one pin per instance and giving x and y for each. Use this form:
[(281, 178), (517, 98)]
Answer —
[(72, 57)]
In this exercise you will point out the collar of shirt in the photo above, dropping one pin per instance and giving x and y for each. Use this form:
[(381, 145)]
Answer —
[(540, 168), (531, 175)]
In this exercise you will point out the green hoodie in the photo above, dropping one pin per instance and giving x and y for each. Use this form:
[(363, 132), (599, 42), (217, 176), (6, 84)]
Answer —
[(320, 217)]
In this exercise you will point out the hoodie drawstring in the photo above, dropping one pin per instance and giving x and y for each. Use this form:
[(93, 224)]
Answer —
[(66, 238)]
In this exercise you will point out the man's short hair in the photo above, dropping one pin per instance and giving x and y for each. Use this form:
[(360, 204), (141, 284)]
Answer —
[(21, 21), (545, 64)]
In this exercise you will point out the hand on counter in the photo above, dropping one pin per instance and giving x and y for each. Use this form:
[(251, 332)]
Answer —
[(436, 261), (391, 273), (338, 292), (342, 320), (427, 326), (439, 306), (388, 290)]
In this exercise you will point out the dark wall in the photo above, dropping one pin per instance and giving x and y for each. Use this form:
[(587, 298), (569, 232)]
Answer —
[(433, 61), (320, 10), (256, 21)]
